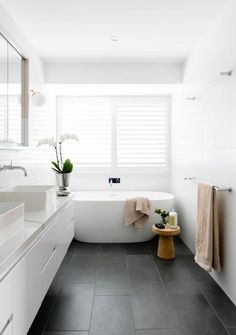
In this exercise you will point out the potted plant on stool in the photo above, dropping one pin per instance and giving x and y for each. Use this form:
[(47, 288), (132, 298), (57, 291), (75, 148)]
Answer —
[(163, 214)]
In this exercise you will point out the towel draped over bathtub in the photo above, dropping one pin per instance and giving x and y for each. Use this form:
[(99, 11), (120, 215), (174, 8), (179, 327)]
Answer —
[(136, 212), (207, 238)]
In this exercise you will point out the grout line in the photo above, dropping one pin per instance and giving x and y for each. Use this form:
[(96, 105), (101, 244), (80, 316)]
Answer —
[(167, 294), (130, 294), (92, 308), (214, 311)]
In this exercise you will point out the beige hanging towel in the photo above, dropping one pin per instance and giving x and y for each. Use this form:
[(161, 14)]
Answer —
[(207, 237), (136, 212)]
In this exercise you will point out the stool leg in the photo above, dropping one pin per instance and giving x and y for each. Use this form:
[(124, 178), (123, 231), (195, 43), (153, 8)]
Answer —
[(166, 249)]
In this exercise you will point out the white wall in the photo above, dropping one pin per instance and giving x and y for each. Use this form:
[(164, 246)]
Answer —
[(114, 73), (204, 138)]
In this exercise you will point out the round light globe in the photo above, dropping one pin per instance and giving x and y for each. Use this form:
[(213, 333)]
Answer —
[(38, 99)]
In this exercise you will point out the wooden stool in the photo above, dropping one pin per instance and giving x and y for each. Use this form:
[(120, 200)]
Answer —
[(166, 249)]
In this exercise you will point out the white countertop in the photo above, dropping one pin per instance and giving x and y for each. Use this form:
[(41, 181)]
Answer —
[(36, 222)]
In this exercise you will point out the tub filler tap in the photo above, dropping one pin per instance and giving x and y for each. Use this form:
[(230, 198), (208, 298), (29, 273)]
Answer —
[(114, 181)]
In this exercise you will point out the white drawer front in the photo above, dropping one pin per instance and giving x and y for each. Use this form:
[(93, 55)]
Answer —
[(6, 300)]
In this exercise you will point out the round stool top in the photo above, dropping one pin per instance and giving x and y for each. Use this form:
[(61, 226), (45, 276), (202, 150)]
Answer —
[(166, 231)]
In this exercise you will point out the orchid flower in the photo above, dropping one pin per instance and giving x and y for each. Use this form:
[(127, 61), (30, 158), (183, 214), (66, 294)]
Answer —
[(59, 166)]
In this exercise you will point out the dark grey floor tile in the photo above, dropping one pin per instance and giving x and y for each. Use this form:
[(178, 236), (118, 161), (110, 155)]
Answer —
[(232, 331), (111, 271), (196, 271), (82, 269), (227, 317), (142, 248), (158, 332), (112, 279), (113, 253), (67, 333), (177, 278), (112, 315), (42, 316), (115, 287), (142, 268), (194, 313), (223, 306), (83, 248), (151, 307), (181, 248), (55, 286), (73, 308)]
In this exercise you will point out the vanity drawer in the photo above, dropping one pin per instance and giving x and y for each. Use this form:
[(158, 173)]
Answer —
[(67, 215), (55, 235), (6, 301), (54, 261)]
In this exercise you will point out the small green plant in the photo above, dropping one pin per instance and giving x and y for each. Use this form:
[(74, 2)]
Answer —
[(67, 167), (163, 215)]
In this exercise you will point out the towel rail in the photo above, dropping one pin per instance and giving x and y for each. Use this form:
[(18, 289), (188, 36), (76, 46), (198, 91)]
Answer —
[(216, 187)]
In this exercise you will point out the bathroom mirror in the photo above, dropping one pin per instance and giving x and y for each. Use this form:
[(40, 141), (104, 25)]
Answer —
[(13, 97)]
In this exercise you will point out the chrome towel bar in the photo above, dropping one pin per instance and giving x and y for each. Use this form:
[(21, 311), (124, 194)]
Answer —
[(216, 187)]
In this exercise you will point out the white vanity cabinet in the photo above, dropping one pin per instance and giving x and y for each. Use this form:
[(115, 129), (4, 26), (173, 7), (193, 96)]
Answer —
[(35, 272), (6, 305)]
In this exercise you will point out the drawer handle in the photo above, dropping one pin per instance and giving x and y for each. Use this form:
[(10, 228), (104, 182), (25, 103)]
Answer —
[(7, 324), (49, 258)]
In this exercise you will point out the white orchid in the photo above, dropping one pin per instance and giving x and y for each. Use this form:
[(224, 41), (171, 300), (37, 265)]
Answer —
[(47, 141), (59, 166), (68, 136)]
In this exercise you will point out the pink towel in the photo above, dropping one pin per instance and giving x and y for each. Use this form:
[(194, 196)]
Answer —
[(136, 212), (207, 238)]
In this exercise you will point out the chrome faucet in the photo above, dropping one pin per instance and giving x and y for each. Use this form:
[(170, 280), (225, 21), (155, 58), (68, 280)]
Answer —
[(114, 181), (13, 167)]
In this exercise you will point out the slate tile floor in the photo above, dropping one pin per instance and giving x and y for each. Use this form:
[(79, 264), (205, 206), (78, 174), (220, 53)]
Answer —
[(124, 289)]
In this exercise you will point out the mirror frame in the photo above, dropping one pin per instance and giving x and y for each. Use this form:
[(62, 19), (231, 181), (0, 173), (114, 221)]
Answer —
[(24, 103)]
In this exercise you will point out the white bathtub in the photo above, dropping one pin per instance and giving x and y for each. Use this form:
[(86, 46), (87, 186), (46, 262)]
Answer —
[(99, 216)]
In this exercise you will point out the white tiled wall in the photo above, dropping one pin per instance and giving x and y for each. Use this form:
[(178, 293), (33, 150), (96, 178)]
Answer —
[(204, 141)]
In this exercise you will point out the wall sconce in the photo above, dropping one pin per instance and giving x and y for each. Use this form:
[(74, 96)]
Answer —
[(37, 98)]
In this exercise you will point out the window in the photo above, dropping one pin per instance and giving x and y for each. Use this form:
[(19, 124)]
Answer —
[(119, 133), (10, 118)]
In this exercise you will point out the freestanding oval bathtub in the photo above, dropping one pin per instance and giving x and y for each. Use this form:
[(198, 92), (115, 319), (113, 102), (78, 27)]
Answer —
[(99, 216)]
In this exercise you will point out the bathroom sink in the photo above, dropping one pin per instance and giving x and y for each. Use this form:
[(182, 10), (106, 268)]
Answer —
[(11, 219), (34, 197)]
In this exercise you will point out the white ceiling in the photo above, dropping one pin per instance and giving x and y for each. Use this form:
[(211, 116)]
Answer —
[(81, 30)]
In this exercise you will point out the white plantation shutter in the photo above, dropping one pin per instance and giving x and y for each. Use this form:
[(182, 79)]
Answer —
[(10, 118), (143, 133), (123, 133), (14, 119), (90, 119), (3, 118)]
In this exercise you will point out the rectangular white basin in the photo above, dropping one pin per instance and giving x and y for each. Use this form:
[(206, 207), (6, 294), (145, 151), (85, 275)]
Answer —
[(34, 197), (11, 219)]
